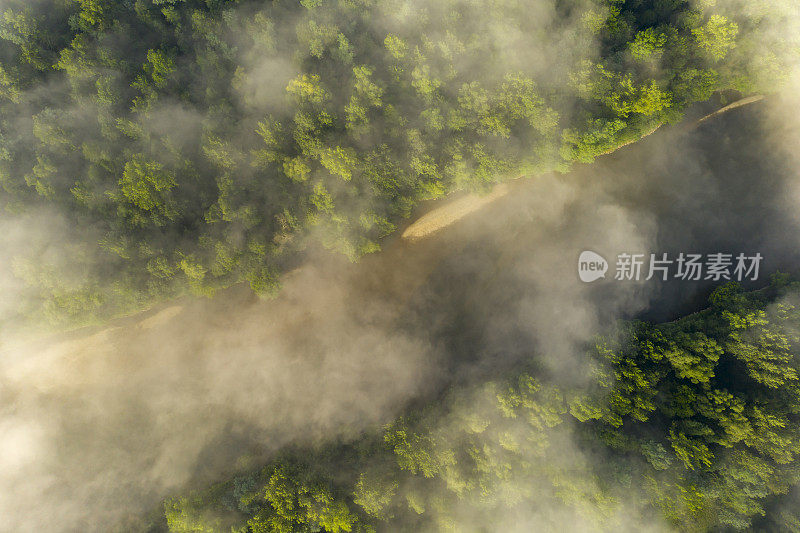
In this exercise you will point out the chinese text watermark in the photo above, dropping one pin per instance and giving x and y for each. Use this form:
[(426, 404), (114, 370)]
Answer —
[(683, 266)]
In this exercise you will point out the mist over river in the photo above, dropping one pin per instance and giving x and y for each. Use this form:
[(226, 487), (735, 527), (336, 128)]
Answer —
[(105, 422)]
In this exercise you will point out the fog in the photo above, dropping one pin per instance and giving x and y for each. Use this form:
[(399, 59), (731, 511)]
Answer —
[(102, 423), (109, 420)]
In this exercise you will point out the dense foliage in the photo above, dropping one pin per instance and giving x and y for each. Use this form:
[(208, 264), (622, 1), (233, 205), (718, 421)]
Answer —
[(176, 145), (685, 426)]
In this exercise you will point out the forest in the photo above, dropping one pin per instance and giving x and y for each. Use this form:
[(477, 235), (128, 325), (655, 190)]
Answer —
[(690, 425), (152, 150), (159, 148)]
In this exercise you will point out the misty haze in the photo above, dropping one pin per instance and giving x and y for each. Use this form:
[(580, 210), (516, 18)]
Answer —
[(359, 266)]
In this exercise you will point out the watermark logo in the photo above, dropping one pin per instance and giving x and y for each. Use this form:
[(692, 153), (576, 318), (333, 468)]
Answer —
[(591, 266), (690, 267)]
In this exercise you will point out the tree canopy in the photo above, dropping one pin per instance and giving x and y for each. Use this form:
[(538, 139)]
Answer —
[(690, 425), (187, 145)]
